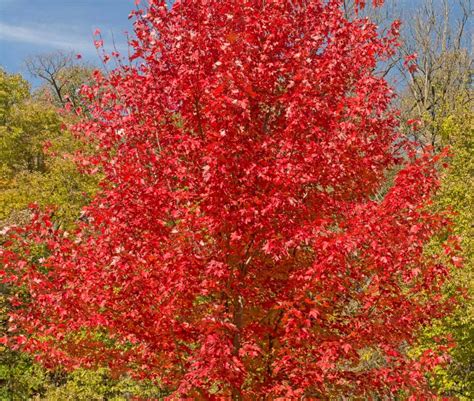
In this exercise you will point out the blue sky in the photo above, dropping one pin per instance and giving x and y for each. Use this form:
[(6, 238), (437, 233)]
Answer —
[(29, 27)]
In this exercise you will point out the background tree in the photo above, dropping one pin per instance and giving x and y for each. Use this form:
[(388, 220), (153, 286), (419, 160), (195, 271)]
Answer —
[(438, 92), (62, 75), (454, 128), (457, 379), (236, 249), (13, 90), (438, 46), (36, 156)]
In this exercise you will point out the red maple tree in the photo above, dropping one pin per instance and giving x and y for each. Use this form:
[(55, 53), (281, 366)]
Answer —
[(241, 246)]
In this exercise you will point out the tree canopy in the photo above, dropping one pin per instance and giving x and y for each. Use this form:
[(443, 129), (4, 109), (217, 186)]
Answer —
[(237, 247)]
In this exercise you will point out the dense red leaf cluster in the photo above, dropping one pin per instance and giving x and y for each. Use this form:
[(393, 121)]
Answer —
[(238, 248)]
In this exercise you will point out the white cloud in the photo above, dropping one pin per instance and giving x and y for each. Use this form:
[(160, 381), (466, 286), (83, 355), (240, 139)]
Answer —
[(42, 36)]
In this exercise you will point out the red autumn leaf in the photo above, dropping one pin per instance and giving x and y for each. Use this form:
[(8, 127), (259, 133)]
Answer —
[(235, 245), (410, 62), (250, 91)]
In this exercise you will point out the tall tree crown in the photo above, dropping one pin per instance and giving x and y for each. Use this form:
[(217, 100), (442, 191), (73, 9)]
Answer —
[(238, 247)]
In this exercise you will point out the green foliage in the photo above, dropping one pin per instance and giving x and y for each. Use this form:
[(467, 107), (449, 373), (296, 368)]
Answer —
[(35, 157), (13, 90), (89, 385), (457, 378), (28, 125), (19, 378), (457, 193)]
